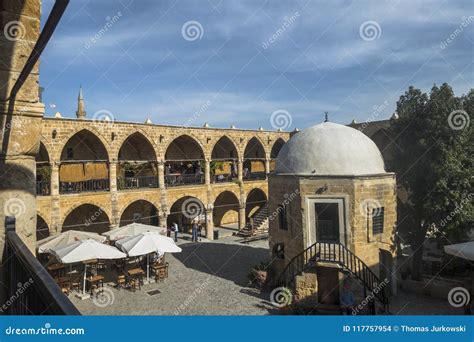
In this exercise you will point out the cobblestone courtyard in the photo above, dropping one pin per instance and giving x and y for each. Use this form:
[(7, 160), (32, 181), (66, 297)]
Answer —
[(210, 278)]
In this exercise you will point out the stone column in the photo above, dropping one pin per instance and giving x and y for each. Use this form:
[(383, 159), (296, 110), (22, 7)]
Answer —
[(267, 167), (55, 199), (207, 172), (240, 170), (209, 224), (161, 174), (163, 199), (242, 217), (115, 219)]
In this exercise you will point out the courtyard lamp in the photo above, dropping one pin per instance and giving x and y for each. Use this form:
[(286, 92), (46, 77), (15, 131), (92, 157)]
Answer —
[(147, 243), (84, 250)]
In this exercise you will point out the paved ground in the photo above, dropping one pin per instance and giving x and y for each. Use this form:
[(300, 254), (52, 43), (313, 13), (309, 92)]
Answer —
[(210, 278), (207, 278)]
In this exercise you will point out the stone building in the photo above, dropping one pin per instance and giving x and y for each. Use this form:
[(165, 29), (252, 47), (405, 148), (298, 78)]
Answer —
[(332, 214), (100, 174)]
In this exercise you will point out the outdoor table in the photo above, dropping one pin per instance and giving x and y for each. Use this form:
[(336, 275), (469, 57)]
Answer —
[(96, 280), (160, 270), (56, 269), (136, 274)]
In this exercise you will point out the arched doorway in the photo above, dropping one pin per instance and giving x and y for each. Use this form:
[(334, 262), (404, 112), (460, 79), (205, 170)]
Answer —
[(87, 217), (225, 212), (186, 210), (42, 229), (184, 162), (254, 160), (274, 152), (84, 164), (140, 211), (137, 166), (256, 210), (43, 172), (224, 156)]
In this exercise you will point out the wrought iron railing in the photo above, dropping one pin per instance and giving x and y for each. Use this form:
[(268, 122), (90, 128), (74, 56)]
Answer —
[(140, 182), (92, 185), (334, 253), (43, 188), (30, 289), (179, 180), (255, 175), (224, 178)]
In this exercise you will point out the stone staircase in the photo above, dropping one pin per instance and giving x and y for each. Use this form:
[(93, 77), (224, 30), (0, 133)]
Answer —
[(259, 228)]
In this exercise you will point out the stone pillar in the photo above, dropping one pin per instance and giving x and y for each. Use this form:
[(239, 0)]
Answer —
[(209, 224), (55, 199), (115, 219), (161, 174), (163, 199), (20, 122), (207, 172), (242, 217), (267, 167), (240, 170)]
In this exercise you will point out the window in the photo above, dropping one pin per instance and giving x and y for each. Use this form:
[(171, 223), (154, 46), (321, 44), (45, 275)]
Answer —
[(282, 217), (279, 250), (377, 220), (70, 153)]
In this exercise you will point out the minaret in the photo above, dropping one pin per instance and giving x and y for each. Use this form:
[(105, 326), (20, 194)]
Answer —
[(80, 113)]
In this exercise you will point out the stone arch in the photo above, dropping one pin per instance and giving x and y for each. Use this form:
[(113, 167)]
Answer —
[(42, 228), (254, 148), (43, 171), (86, 217), (256, 199), (138, 136), (91, 130), (276, 148), (84, 138), (184, 211), (224, 148), (254, 159), (225, 211), (141, 211), (184, 147)]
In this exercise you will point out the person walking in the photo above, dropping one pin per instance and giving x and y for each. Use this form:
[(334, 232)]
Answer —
[(195, 231), (176, 230)]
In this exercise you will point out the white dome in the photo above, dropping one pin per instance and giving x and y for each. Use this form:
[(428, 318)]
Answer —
[(330, 149)]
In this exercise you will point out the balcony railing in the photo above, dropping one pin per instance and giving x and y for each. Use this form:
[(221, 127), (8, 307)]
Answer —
[(84, 186), (224, 178), (125, 183), (43, 188), (255, 175), (179, 180), (30, 289)]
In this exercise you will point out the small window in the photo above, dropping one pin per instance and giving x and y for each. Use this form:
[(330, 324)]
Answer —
[(279, 250), (282, 217), (377, 220), (70, 153)]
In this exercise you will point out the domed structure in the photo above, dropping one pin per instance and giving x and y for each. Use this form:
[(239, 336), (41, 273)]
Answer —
[(330, 149)]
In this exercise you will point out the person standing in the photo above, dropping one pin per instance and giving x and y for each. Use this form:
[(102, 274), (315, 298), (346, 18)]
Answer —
[(195, 231), (176, 230)]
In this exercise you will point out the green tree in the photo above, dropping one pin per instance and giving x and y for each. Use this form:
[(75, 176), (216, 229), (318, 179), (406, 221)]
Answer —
[(433, 163)]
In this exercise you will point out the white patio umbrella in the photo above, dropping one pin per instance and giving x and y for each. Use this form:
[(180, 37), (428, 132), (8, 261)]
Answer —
[(146, 243), (133, 229), (66, 238), (85, 250), (463, 250)]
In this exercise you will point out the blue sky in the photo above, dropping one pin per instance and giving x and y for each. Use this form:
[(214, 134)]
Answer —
[(249, 59)]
